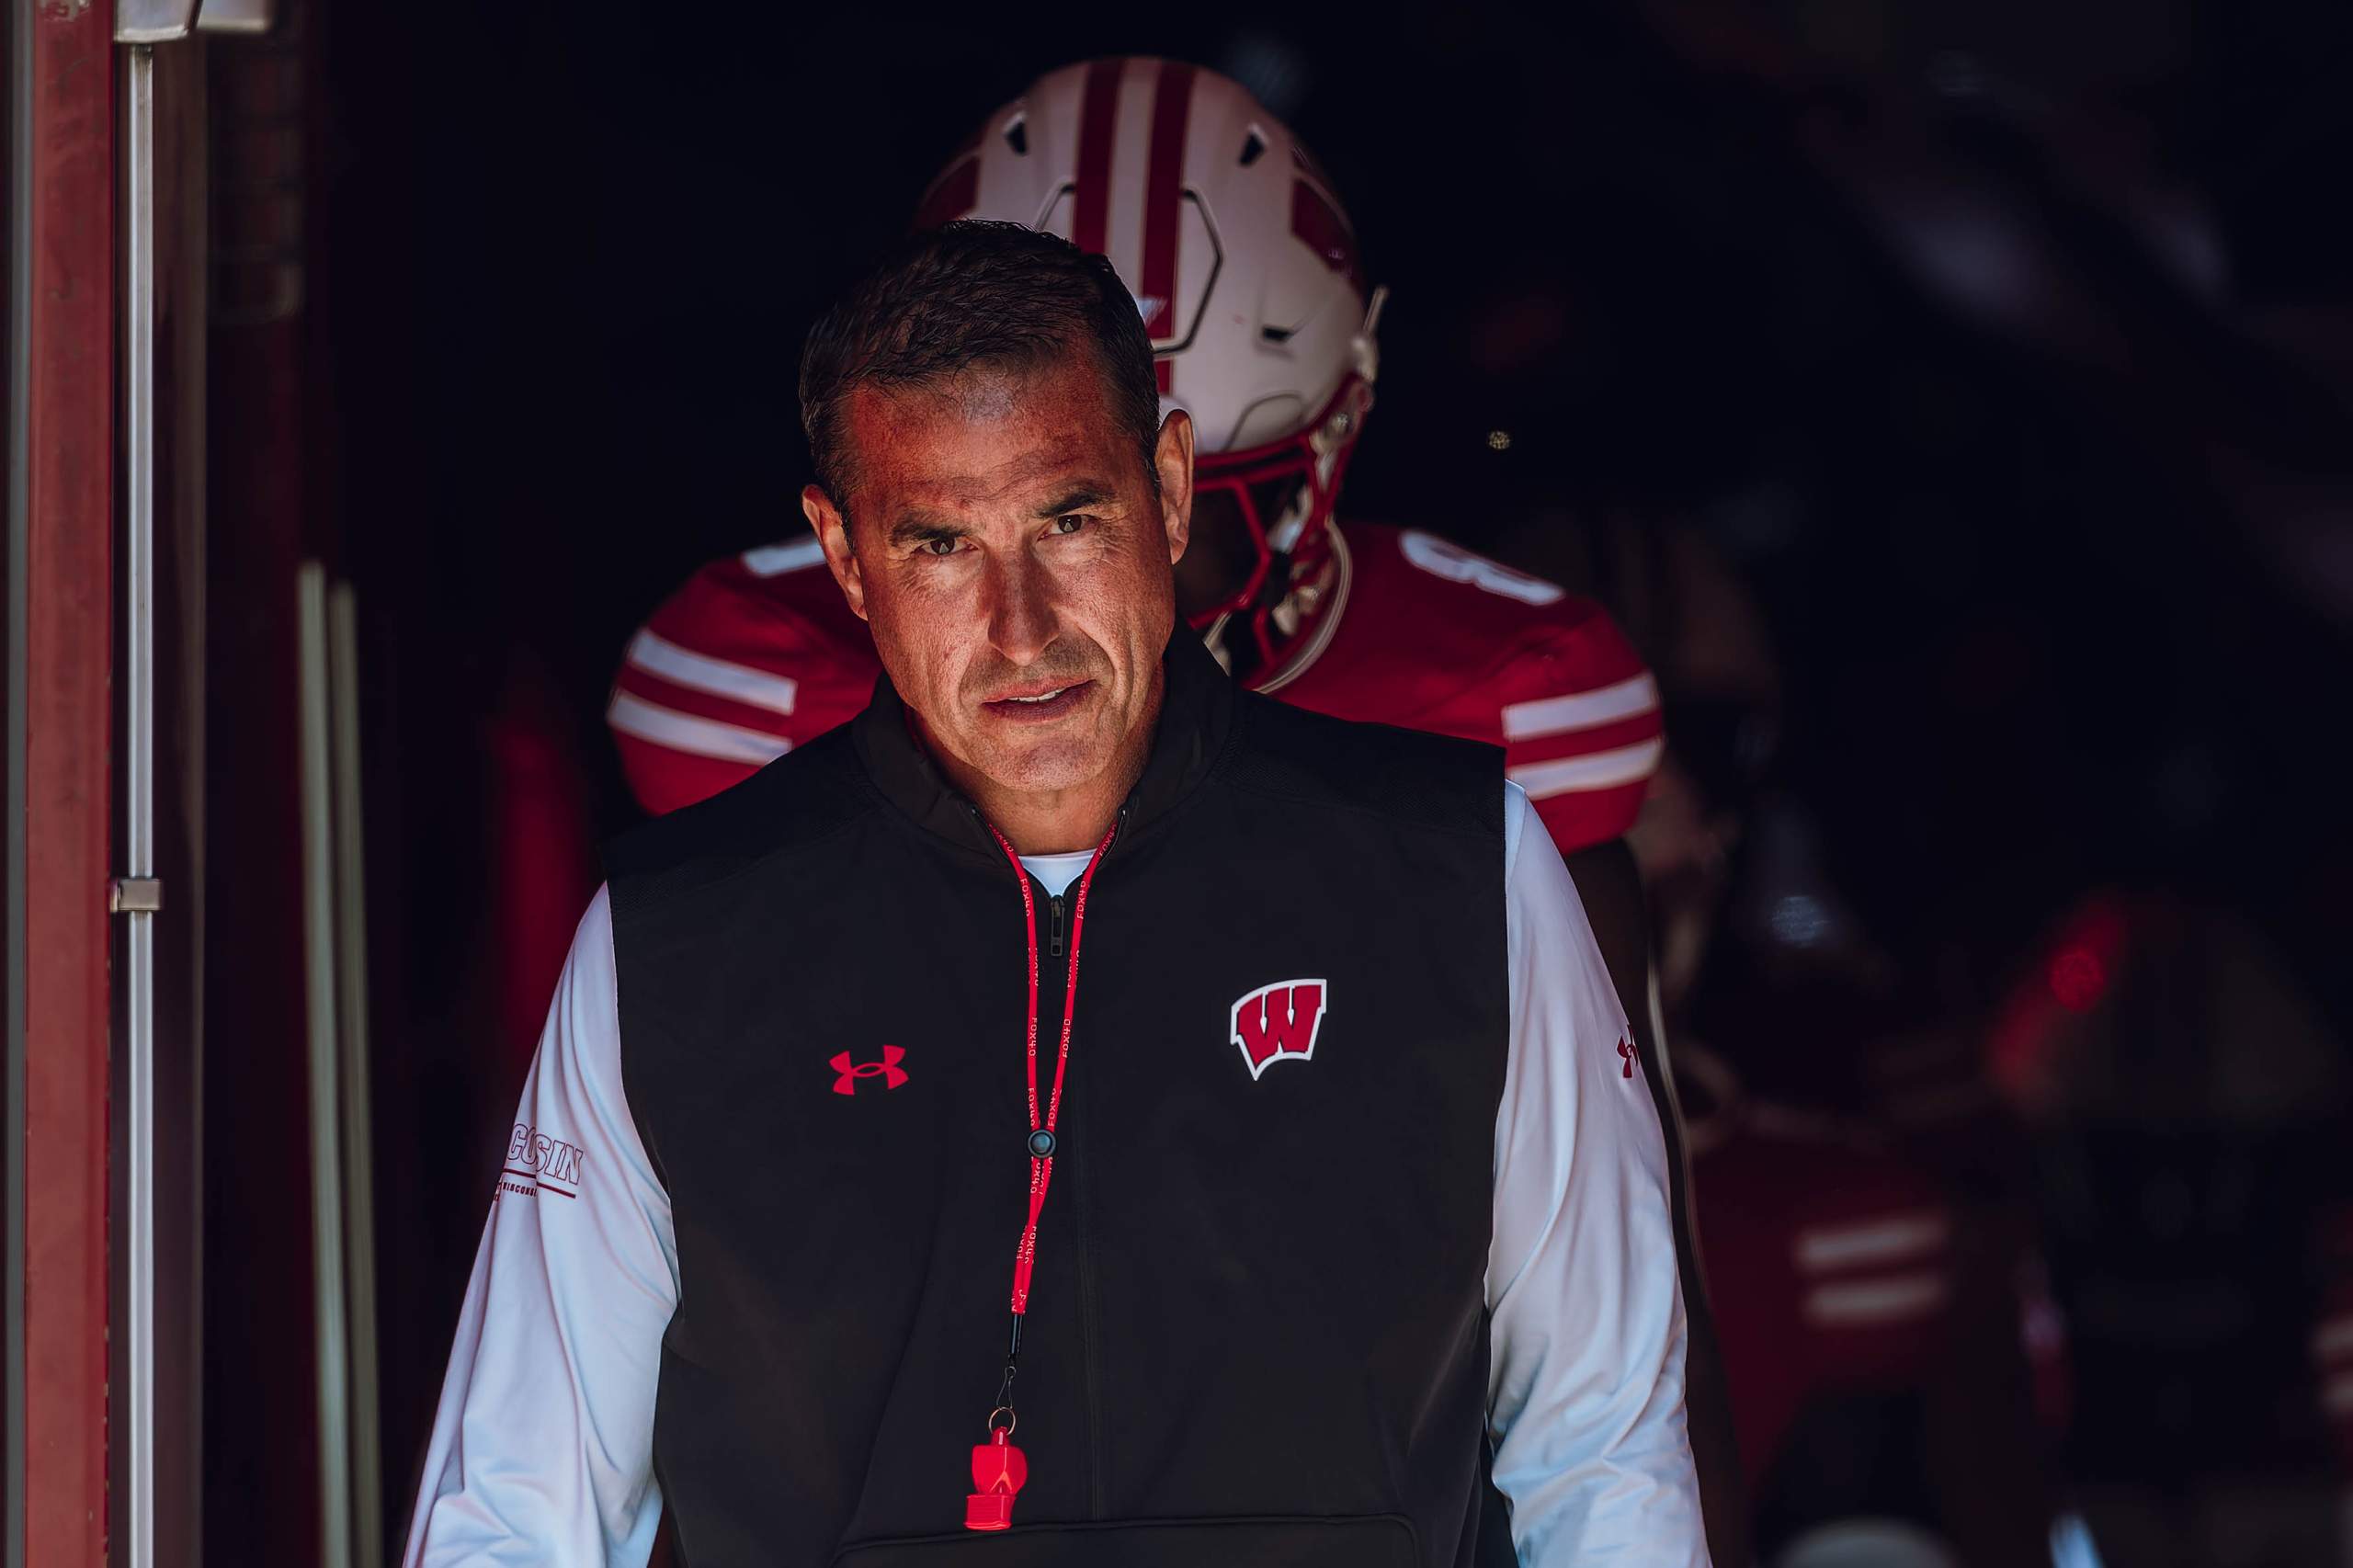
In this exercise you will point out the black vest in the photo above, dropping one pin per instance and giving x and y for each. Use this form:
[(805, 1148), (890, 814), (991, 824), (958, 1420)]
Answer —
[(1258, 1330)]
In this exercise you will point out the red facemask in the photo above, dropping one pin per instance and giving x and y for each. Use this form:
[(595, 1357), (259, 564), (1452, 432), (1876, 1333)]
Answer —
[(1304, 469)]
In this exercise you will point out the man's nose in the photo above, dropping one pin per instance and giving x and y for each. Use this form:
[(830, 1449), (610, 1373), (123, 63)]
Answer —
[(1021, 616)]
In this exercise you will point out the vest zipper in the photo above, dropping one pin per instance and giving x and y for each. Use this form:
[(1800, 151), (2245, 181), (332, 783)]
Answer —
[(1077, 1128), (1090, 1338)]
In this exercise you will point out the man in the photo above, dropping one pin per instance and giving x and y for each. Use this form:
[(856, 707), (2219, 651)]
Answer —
[(1353, 1159), (1244, 267)]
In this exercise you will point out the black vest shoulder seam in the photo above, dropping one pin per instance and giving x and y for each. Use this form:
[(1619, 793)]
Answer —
[(640, 902), (1439, 783), (716, 842)]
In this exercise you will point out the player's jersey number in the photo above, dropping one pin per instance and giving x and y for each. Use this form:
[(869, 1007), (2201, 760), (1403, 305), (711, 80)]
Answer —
[(1441, 558)]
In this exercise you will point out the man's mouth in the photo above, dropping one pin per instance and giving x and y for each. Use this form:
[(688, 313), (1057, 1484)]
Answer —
[(1034, 706)]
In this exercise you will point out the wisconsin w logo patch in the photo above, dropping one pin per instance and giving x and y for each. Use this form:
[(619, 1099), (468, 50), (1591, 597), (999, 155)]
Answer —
[(1279, 1022)]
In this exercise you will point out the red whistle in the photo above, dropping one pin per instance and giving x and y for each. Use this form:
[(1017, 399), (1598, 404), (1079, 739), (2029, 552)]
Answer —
[(998, 1470)]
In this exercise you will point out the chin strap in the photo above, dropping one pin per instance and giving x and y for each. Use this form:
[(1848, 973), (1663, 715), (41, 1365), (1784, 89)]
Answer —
[(1279, 604)]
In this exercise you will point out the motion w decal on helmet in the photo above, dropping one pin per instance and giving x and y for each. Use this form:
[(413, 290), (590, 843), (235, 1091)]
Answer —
[(1245, 270)]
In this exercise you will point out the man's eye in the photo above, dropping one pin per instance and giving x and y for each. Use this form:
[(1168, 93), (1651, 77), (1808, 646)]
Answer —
[(938, 546), (1071, 522)]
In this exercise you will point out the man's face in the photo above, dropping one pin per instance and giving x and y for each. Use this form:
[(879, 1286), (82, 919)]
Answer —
[(1006, 546)]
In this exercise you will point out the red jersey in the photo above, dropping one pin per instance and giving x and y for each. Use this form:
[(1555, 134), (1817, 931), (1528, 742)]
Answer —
[(1829, 1263), (758, 652)]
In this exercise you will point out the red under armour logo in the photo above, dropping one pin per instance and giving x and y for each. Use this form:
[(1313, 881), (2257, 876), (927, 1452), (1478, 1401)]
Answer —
[(888, 1070), (1279, 1022), (1626, 1049)]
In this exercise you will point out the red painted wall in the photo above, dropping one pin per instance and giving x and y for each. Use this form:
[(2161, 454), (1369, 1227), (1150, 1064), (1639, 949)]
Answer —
[(68, 719)]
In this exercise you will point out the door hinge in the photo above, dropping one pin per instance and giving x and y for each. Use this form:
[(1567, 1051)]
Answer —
[(135, 895)]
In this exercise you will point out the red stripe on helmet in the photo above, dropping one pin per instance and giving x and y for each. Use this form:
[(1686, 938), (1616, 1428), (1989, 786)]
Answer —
[(1164, 201), (1097, 118), (1318, 224), (955, 195)]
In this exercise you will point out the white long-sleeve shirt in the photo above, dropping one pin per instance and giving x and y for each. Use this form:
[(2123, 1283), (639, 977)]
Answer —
[(543, 1450)]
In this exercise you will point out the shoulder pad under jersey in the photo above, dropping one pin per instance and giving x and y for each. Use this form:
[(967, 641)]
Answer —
[(754, 654), (1438, 637)]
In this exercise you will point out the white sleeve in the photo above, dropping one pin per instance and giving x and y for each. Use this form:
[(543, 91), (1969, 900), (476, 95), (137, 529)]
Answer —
[(1585, 1392), (542, 1450)]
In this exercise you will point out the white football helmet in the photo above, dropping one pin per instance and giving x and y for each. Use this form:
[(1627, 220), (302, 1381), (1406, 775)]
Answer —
[(1244, 267)]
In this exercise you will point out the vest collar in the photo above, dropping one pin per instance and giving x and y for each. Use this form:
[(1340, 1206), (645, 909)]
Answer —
[(1196, 715)]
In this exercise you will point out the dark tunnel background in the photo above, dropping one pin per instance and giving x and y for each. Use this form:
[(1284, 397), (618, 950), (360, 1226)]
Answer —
[(2004, 353)]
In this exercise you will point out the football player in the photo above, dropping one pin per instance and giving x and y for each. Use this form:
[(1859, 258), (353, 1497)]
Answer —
[(1246, 272), (1882, 1341)]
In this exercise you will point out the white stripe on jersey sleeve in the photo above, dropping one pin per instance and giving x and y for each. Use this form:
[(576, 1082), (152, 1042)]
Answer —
[(1585, 1376), (1580, 710), (634, 715), (794, 556), (1597, 770), (1895, 1237), (542, 1449), (1874, 1303), (657, 654)]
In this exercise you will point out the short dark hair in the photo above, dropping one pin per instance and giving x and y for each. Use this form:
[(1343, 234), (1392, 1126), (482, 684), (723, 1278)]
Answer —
[(969, 296)]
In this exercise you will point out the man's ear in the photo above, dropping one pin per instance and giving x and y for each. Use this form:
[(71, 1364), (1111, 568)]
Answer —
[(833, 535), (1172, 458)]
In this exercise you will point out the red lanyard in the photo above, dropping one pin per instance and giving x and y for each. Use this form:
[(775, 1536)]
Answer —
[(998, 1468)]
